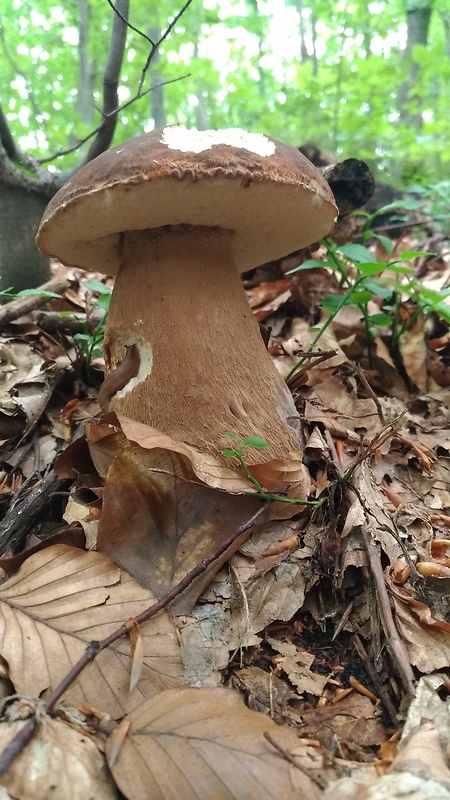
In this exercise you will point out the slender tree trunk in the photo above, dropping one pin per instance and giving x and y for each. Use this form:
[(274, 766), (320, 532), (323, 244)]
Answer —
[(418, 18), (85, 99), (315, 60)]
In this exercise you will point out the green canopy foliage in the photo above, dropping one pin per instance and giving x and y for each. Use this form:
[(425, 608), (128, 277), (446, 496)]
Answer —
[(333, 73)]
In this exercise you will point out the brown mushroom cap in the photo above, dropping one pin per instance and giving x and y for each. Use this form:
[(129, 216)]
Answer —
[(272, 198)]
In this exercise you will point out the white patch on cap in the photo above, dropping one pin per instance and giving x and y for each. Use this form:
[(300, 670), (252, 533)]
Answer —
[(177, 137)]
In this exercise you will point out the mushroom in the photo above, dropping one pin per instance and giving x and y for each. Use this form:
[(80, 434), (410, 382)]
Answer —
[(176, 215)]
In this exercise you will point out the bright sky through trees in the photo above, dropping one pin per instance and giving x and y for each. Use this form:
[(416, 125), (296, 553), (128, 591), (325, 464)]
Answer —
[(365, 80)]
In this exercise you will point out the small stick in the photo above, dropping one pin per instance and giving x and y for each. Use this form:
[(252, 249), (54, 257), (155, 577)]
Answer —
[(374, 677), (19, 520), (370, 392)]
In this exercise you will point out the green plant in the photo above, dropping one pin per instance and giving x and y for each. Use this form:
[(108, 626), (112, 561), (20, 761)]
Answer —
[(259, 444), (89, 343), (365, 281), (27, 293)]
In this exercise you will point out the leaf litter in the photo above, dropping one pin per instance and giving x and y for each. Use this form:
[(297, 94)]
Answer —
[(310, 619)]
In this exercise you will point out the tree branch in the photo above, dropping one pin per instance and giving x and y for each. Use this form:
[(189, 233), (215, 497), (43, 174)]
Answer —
[(89, 136), (111, 77), (6, 137)]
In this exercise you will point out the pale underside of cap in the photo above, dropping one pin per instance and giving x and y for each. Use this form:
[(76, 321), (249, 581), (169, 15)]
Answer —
[(267, 193)]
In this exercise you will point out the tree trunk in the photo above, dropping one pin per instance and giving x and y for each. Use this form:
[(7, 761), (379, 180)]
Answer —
[(85, 99), (21, 264), (418, 17)]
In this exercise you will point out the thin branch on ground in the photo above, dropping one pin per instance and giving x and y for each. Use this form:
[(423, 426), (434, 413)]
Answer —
[(17, 744), (394, 643)]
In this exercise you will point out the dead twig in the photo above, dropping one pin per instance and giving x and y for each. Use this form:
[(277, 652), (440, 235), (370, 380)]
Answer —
[(394, 643), (370, 393), (374, 677), (22, 516), (17, 744)]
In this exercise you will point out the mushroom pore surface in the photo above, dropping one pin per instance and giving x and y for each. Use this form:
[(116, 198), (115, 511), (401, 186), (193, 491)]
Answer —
[(204, 369)]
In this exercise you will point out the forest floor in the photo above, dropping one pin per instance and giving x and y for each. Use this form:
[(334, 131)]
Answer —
[(321, 636)]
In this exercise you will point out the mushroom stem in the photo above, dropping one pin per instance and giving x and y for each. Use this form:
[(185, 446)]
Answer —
[(204, 369)]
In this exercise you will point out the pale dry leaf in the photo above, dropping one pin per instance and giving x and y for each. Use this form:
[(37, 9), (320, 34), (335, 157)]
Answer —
[(60, 763), (419, 771), (276, 595), (304, 679), (374, 503), (84, 515), (428, 646), (59, 601), (413, 351), (199, 744), (280, 472)]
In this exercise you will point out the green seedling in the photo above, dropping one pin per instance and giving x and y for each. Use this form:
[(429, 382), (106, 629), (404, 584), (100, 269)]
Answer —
[(259, 444), (367, 281), (28, 293), (89, 343)]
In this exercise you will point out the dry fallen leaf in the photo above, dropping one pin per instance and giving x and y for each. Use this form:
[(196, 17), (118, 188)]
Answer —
[(60, 763), (172, 521), (62, 599), (203, 744)]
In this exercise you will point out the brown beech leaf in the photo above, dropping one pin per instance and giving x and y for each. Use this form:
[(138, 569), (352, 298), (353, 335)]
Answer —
[(199, 744), (60, 762), (280, 472), (207, 467), (158, 521), (62, 599)]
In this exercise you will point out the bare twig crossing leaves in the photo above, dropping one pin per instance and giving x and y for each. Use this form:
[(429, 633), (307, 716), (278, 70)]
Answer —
[(62, 599)]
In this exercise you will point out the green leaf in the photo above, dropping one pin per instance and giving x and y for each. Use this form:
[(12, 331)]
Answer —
[(229, 453), (408, 254), (231, 435), (331, 301), (394, 267), (382, 320), (371, 268), (255, 441), (311, 263), (360, 297), (358, 254), (97, 286), (378, 289), (37, 293), (387, 243)]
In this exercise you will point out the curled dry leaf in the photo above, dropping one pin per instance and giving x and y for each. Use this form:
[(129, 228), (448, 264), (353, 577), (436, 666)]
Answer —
[(60, 762), (207, 467), (280, 472), (198, 744), (62, 599), (172, 521)]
